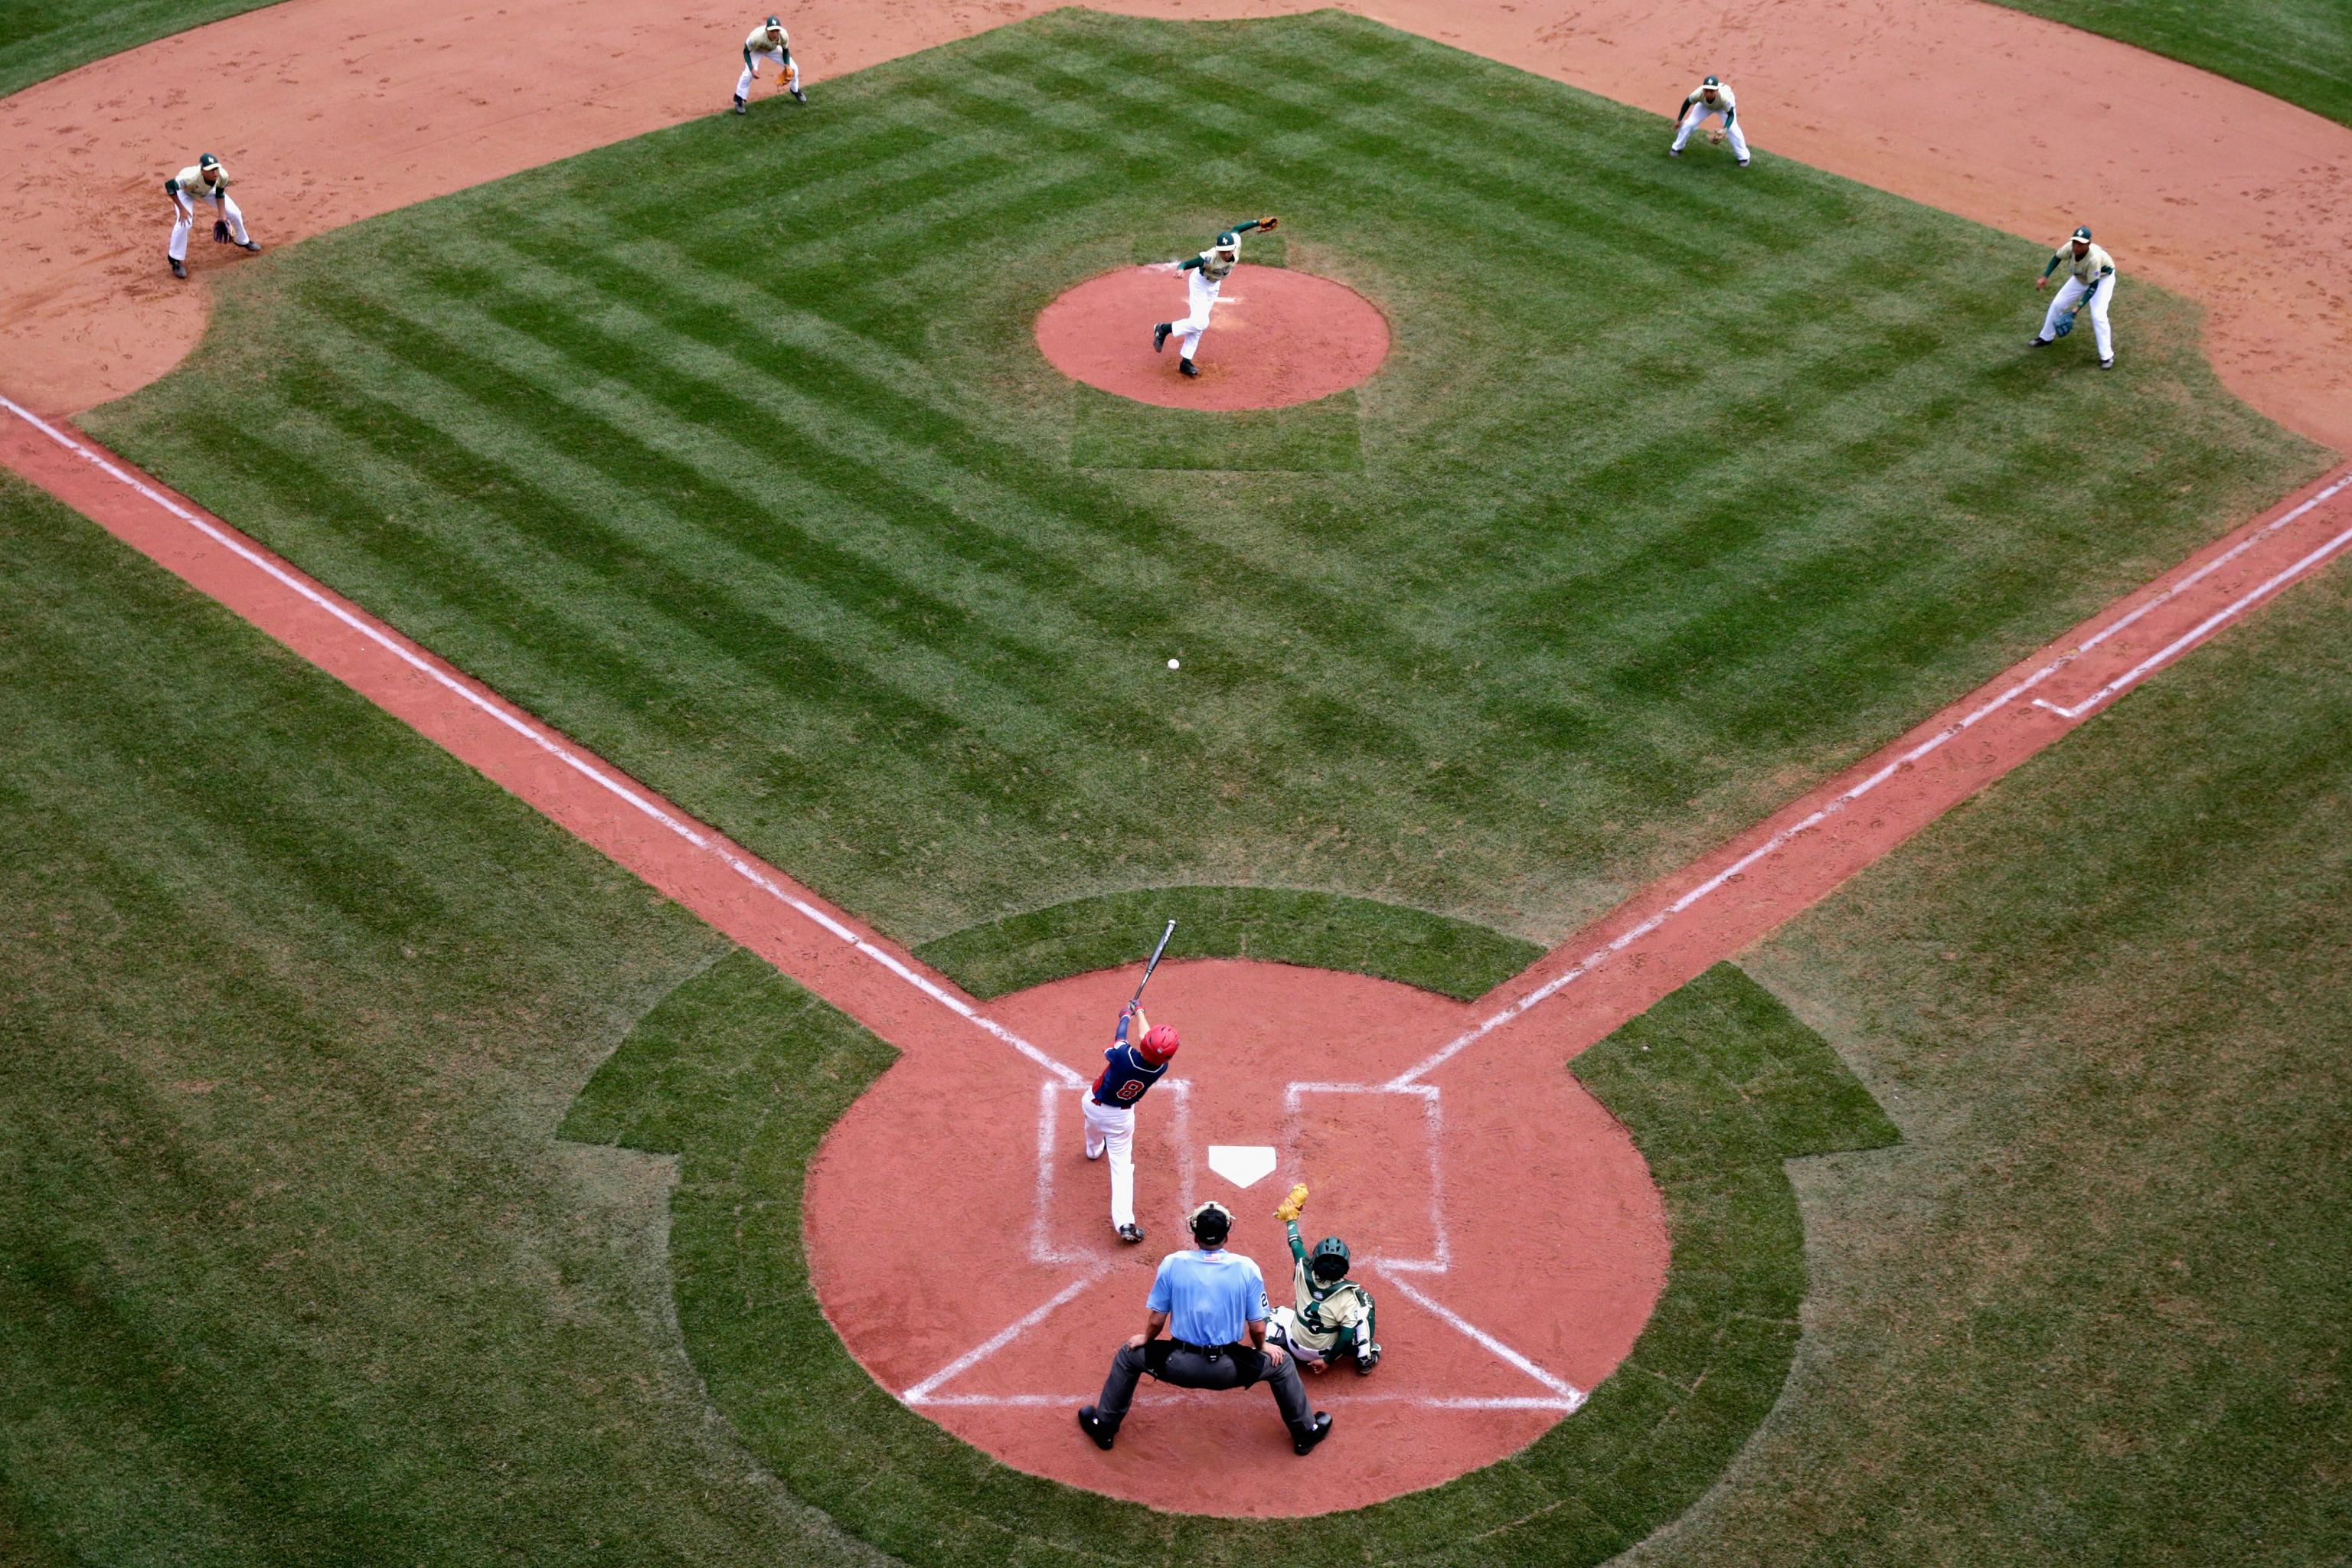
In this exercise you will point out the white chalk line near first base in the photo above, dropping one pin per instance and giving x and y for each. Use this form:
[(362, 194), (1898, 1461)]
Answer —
[(2202, 631), (579, 763)]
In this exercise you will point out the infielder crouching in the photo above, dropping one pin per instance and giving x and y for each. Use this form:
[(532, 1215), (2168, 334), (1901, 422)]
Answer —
[(1206, 273), (767, 39), (2090, 284), (1710, 98), (1128, 1072), (204, 180)]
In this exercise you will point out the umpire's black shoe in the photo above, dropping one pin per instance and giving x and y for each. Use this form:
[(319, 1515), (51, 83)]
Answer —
[(1105, 1433), (1302, 1438)]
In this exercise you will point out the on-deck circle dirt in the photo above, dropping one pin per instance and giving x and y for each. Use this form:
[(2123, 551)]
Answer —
[(1277, 337), (1494, 1196)]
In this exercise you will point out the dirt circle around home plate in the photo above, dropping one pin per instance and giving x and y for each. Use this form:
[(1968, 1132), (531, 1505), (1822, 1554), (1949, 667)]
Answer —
[(1508, 1228), (1276, 337)]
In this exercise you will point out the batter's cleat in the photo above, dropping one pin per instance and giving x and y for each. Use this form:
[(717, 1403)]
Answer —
[(799, 97), (1093, 1154), (1367, 1358), (1304, 1438), (1160, 335), (2108, 363), (1101, 1431), (178, 268), (1188, 367), (741, 108), (1130, 1234), (2039, 343)]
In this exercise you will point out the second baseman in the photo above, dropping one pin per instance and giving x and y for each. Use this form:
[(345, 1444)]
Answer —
[(1709, 98), (768, 41), (2090, 284), (203, 180)]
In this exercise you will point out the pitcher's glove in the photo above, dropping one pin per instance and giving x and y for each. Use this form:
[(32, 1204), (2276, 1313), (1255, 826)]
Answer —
[(1293, 1203), (1268, 225), (220, 231)]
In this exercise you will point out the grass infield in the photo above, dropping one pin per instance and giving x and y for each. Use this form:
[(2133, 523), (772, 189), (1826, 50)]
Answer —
[(739, 1072), (728, 450)]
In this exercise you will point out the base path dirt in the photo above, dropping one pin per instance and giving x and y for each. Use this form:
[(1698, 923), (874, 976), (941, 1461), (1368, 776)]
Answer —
[(331, 110), (1028, 1052), (1277, 337)]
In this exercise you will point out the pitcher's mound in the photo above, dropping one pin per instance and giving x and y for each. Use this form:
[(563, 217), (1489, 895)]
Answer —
[(1277, 338)]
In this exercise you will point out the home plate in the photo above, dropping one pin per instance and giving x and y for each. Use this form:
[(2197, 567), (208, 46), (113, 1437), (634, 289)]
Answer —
[(1243, 1164)]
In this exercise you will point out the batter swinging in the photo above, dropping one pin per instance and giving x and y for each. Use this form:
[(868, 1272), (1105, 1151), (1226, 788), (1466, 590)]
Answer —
[(1128, 1072), (1208, 272)]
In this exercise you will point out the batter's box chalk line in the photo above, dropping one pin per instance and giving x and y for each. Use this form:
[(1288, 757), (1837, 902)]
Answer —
[(1559, 1394)]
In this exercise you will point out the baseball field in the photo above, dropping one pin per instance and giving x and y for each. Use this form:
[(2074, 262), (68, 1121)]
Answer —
[(589, 772)]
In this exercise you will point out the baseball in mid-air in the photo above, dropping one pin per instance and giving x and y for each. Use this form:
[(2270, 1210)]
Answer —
[(1172, 664)]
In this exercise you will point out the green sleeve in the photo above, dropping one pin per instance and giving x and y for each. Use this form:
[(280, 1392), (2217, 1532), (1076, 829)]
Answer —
[(2053, 267), (1245, 227), (1298, 1248)]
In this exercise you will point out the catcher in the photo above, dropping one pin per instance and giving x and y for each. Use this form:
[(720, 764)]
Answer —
[(1209, 271), (1332, 1317)]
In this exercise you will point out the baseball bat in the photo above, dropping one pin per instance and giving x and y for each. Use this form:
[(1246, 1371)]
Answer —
[(1153, 965)]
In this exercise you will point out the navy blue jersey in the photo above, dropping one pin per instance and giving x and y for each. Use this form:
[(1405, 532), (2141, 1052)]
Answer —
[(1126, 1075)]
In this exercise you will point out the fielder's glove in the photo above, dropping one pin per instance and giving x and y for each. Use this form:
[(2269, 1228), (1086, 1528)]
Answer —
[(1268, 225), (2065, 323), (1716, 136), (1293, 1205), (220, 231)]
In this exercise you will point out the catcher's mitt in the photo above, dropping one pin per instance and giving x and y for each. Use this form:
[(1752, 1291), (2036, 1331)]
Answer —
[(220, 231), (1268, 225), (2065, 325), (1293, 1203)]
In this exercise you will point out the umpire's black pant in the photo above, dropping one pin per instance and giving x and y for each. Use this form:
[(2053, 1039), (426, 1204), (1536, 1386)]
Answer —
[(1203, 1366)]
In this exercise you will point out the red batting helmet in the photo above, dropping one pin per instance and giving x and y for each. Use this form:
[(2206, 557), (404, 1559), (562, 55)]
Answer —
[(1159, 1044)]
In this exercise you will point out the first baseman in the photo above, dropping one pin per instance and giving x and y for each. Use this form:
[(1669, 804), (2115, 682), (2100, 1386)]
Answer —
[(2090, 280), (203, 180), (1128, 1072), (1208, 272), (1709, 98), (768, 40)]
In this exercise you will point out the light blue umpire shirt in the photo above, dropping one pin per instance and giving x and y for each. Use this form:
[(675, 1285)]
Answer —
[(1210, 1297)]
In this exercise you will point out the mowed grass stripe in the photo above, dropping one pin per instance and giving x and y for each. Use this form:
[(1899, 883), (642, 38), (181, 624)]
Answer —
[(1677, 486)]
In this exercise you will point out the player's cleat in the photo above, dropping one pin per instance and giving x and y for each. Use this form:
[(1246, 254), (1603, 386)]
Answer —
[(740, 108), (2107, 364), (1674, 151), (1101, 1431), (252, 244), (1303, 1438), (1745, 162), (1367, 1358), (2039, 343), (1188, 367), (1160, 335), (799, 97), (1129, 1233), (178, 268), (1093, 1154)]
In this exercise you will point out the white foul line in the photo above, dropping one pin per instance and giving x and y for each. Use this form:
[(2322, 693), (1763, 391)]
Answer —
[(1418, 1401), (1781, 841), (1572, 1395), (745, 869), (997, 1341)]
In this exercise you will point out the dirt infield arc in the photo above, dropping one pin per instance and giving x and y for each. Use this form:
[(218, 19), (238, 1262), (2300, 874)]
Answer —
[(1610, 973)]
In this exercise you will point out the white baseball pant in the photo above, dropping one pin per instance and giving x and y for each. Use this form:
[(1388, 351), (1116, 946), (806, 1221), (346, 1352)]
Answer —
[(1204, 293), (1697, 116), (226, 205), (1111, 1128), (2070, 290), (750, 73)]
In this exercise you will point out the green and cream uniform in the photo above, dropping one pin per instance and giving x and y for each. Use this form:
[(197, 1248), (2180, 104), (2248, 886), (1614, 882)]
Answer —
[(2090, 284), (1331, 1316), (768, 41), (1204, 275), (202, 181)]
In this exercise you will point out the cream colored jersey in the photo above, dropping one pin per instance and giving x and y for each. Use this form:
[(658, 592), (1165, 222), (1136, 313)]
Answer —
[(1723, 99), (1218, 266), (2088, 267), (190, 181), (758, 43), (1318, 1325)]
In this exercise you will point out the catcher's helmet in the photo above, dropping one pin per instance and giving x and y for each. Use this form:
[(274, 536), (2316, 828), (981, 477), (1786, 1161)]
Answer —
[(1211, 1223), (1159, 1044), (1329, 1262)]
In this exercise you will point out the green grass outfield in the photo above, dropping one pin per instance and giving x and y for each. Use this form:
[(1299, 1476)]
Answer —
[(729, 451), (42, 38), (2297, 49)]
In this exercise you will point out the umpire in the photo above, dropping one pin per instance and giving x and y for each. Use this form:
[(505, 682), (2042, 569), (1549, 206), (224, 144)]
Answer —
[(1210, 1299)]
